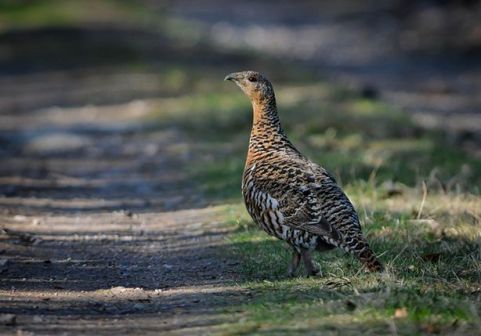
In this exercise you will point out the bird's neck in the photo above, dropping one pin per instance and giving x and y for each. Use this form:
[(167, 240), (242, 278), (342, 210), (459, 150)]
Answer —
[(265, 113), (267, 134)]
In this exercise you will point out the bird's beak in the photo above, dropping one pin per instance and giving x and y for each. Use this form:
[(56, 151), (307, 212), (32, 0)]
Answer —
[(232, 77)]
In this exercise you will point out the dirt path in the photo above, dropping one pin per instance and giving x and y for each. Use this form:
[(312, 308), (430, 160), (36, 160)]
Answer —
[(101, 229)]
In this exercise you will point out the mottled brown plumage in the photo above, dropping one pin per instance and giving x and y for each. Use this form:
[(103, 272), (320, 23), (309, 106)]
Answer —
[(290, 197)]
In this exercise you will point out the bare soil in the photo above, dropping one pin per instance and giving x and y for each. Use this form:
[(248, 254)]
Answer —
[(101, 229)]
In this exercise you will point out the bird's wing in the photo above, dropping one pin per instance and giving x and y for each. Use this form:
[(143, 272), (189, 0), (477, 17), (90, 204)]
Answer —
[(303, 209), (305, 197), (296, 202)]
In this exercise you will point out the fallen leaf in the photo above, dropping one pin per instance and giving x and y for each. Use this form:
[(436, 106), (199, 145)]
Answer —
[(431, 328), (401, 313)]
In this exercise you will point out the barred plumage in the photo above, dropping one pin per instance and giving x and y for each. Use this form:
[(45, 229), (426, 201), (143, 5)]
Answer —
[(289, 196)]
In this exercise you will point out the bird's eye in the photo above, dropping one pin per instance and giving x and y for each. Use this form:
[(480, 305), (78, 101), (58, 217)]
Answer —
[(252, 79)]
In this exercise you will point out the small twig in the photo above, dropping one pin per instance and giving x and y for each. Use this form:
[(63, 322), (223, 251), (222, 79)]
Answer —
[(401, 252), (373, 175), (474, 215), (382, 253), (425, 193)]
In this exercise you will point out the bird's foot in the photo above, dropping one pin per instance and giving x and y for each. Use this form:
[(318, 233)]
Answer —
[(294, 264), (314, 270), (311, 266)]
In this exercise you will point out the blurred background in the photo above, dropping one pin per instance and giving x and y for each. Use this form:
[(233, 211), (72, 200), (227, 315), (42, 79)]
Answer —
[(108, 99), (122, 149)]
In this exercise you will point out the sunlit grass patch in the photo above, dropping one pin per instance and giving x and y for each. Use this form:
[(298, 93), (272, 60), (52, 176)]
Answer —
[(431, 282), (432, 253)]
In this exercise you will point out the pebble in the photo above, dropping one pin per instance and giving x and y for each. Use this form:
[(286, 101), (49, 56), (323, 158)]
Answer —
[(118, 289), (139, 306), (3, 265), (8, 319)]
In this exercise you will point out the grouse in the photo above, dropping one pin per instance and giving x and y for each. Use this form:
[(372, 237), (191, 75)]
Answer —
[(290, 197)]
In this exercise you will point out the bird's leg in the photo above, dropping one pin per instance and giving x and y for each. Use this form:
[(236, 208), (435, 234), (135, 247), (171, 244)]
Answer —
[(311, 267), (294, 264)]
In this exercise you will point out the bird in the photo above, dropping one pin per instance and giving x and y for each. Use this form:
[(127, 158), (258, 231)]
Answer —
[(291, 197)]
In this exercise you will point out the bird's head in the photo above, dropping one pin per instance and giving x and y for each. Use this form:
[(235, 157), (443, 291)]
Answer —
[(255, 86)]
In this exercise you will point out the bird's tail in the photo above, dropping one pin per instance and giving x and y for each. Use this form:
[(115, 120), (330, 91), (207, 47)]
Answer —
[(369, 259), (361, 250)]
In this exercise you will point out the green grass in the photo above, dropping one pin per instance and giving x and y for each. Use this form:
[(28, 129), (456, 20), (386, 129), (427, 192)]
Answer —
[(431, 283)]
